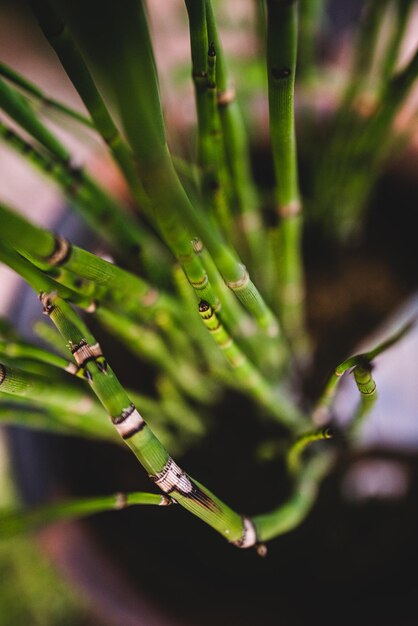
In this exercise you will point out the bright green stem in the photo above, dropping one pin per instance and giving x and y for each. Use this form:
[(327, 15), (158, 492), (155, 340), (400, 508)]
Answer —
[(23, 350), (15, 522), (368, 390), (48, 250), (322, 411), (21, 112), (289, 515), (96, 206), (252, 381), (148, 345), (133, 429), (37, 279), (73, 63), (24, 415), (294, 455), (282, 30), (47, 103), (67, 405), (236, 148)]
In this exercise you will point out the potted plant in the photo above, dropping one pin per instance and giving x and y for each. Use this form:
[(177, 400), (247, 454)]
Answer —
[(208, 294)]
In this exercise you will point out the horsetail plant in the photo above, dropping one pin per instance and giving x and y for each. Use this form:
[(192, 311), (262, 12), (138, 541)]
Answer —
[(205, 292)]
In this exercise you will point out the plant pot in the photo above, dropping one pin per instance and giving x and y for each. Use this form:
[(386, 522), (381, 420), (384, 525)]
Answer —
[(351, 561)]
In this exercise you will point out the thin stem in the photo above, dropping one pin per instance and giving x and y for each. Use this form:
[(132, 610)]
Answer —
[(136, 433), (73, 63), (294, 454), (46, 101), (236, 147), (289, 515), (15, 522), (322, 411), (252, 381), (281, 65)]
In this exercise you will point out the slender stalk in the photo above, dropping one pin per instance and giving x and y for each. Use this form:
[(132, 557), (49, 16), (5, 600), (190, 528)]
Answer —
[(289, 515), (66, 404), (15, 105), (73, 63), (15, 522), (51, 251), (46, 101), (137, 434), (146, 344), (210, 147), (236, 148), (322, 411), (98, 209), (368, 391), (282, 28), (252, 381), (294, 454)]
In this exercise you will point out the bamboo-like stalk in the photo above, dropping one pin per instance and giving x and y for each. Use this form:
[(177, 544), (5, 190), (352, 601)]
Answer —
[(295, 452), (15, 105), (368, 392), (99, 210), (147, 344), (274, 400), (282, 30), (46, 102), (236, 148), (289, 515), (136, 433), (67, 405), (50, 251), (15, 522), (210, 147), (322, 411), (73, 63)]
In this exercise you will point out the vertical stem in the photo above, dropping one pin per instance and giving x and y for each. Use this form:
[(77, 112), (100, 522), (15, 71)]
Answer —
[(281, 64)]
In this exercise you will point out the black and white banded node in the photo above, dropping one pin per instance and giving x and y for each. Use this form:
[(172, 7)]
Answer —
[(128, 422), (84, 353), (173, 479), (248, 538)]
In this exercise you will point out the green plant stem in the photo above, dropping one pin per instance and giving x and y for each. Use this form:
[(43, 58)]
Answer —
[(98, 209), (73, 63), (252, 381), (147, 344), (37, 279), (15, 105), (236, 148), (210, 146), (47, 102), (368, 391), (21, 521), (289, 515), (322, 411), (67, 405), (295, 452), (50, 251), (281, 65), (135, 432)]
